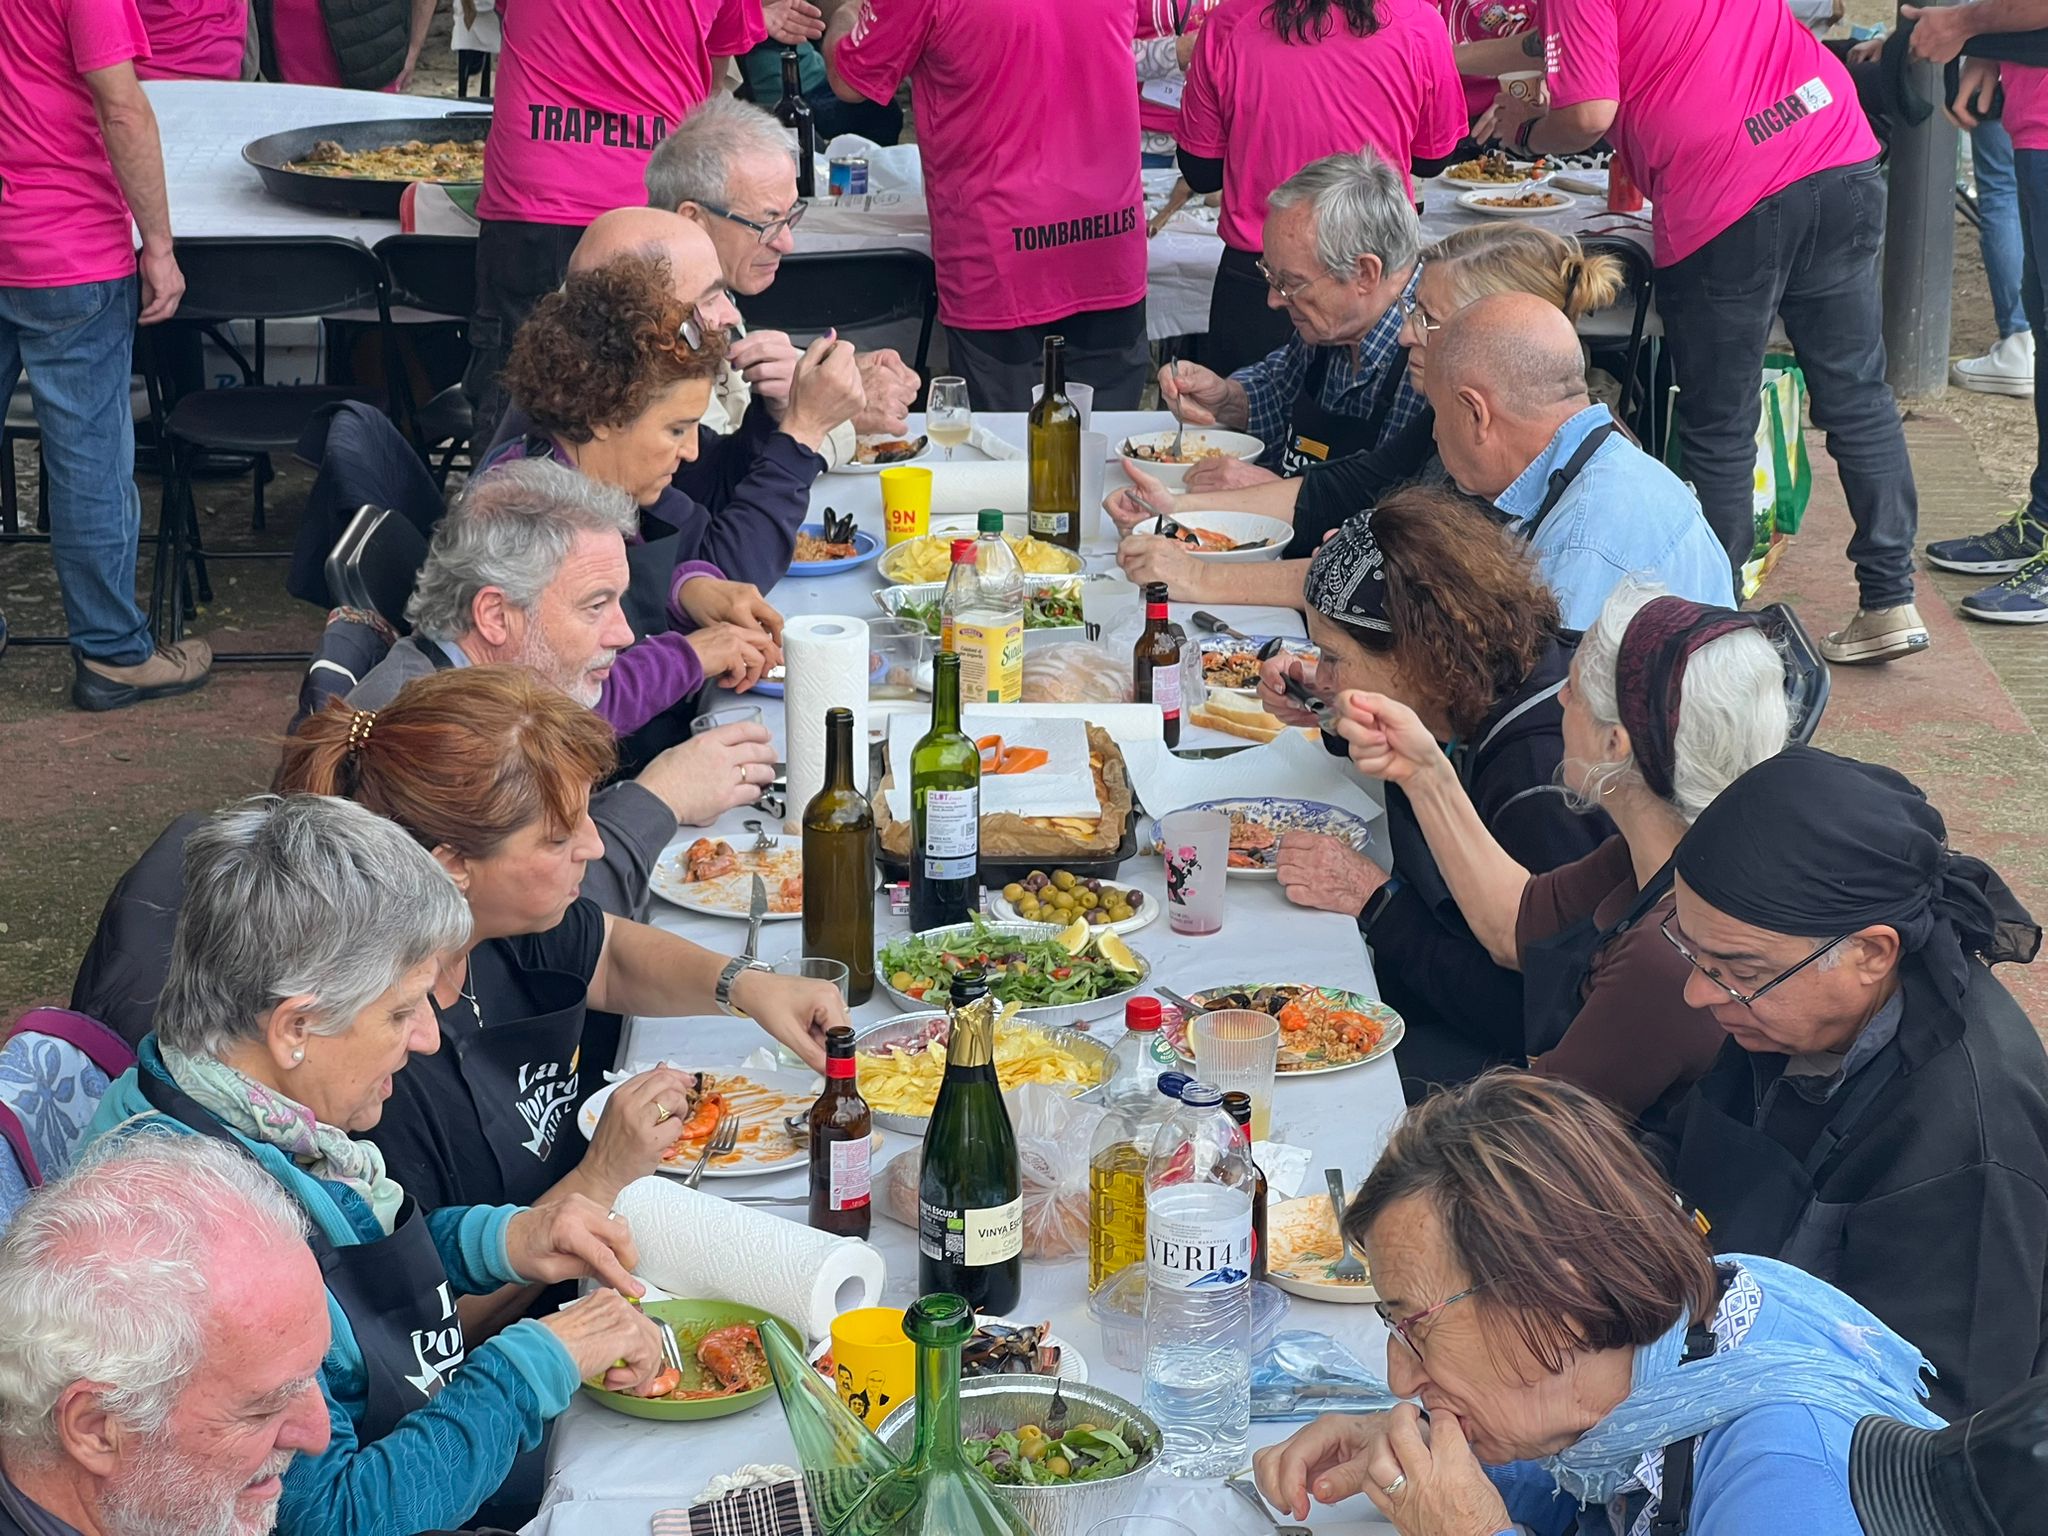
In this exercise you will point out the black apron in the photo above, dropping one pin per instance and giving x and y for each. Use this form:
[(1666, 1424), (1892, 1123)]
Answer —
[(394, 1291), (1314, 435), (1754, 1193), (1561, 479), (523, 1077), (1554, 969)]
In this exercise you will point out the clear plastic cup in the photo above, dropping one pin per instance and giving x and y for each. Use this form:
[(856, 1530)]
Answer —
[(732, 714), (819, 968), (904, 650), (1196, 846), (1238, 1048)]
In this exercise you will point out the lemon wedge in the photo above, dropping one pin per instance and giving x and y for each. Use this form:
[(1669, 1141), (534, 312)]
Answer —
[(1074, 937), (1117, 953)]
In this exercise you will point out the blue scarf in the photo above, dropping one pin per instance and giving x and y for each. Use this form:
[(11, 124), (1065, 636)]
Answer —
[(1835, 1357)]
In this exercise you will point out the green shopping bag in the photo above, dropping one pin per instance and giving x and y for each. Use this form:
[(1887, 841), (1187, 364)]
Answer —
[(1781, 482)]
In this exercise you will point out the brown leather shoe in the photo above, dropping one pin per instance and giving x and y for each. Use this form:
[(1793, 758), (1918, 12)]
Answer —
[(98, 685)]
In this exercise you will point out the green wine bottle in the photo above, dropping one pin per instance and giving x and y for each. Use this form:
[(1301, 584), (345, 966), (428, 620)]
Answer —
[(839, 865), (945, 811), (970, 1212), (1054, 437)]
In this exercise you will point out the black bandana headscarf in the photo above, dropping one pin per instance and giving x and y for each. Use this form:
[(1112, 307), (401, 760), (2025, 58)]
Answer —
[(1347, 579), (1810, 844)]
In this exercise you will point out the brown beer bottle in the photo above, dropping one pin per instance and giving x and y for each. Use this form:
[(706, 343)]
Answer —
[(842, 1139), (1239, 1107)]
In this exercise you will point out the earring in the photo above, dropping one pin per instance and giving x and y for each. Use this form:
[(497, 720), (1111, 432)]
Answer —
[(297, 1057)]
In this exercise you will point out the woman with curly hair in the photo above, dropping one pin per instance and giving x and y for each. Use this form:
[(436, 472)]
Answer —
[(1426, 599)]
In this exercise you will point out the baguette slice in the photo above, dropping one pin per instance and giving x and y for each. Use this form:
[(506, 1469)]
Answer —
[(1234, 715)]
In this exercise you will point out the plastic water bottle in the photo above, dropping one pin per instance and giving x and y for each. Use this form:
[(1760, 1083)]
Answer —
[(1198, 1252)]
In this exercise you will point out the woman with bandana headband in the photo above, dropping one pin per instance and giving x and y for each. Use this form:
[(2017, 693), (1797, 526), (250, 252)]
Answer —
[(1428, 600), (1668, 701)]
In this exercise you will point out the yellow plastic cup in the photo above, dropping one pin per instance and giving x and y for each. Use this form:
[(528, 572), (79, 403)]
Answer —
[(874, 1364), (906, 503)]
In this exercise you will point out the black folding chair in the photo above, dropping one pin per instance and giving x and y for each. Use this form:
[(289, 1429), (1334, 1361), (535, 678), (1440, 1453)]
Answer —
[(849, 290), (1806, 673), (375, 564), (1638, 281), (259, 279), (437, 274)]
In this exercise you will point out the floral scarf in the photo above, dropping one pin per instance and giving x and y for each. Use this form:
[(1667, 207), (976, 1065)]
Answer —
[(1833, 1356), (264, 1115)]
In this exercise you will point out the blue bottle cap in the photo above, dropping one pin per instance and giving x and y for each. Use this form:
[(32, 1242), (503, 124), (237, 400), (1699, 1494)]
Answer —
[(1172, 1084)]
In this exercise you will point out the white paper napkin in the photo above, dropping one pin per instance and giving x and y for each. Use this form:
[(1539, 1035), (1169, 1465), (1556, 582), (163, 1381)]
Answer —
[(1065, 786), (1293, 765)]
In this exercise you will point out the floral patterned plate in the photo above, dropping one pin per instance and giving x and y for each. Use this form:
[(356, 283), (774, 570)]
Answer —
[(1253, 852)]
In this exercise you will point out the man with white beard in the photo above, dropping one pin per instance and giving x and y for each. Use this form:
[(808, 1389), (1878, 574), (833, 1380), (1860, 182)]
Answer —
[(162, 1324)]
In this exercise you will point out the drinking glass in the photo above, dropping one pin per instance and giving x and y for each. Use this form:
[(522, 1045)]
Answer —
[(732, 714), (1197, 850), (1082, 396), (947, 417), (1139, 1525), (1238, 1048), (818, 968), (904, 648)]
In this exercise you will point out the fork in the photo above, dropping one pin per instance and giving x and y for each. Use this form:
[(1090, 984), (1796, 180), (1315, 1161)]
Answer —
[(1240, 1486), (671, 1346), (1179, 427), (724, 1137), (764, 840), (1348, 1268)]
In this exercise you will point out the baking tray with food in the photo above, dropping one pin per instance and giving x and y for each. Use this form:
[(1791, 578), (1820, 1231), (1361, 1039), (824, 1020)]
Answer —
[(362, 167), (922, 561), (898, 1070)]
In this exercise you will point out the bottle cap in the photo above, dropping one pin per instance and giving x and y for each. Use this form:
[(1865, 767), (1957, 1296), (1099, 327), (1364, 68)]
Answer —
[(1238, 1105), (1201, 1095), (1173, 1084), (839, 1040), (963, 551), (989, 520), (1142, 1013)]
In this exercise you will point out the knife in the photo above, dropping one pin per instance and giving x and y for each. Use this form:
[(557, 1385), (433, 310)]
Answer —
[(1208, 622), (757, 908), (1189, 1007)]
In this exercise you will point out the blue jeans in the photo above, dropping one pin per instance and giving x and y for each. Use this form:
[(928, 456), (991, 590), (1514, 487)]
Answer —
[(2030, 168), (77, 344), (1998, 227)]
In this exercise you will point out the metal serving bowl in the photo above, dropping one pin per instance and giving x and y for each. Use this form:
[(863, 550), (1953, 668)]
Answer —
[(910, 1026), (1109, 1005), (990, 1405)]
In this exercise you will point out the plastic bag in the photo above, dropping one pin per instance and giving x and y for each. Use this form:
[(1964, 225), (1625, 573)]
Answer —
[(1053, 1133), (1301, 1375), (1075, 673)]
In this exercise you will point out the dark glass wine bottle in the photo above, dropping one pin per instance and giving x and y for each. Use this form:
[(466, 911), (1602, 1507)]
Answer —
[(970, 1211), (1239, 1106), (1054, 436), (839, 865), (945, 811), (1155, 665), (842, 1131), (794, 111)]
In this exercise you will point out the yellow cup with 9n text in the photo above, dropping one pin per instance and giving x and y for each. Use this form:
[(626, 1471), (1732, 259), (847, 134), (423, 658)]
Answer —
[(874, 1364), (906, 503)]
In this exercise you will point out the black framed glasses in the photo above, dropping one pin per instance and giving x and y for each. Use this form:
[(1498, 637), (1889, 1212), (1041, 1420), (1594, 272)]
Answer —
[(1403, 1328), (1286, 291), (762, 232), (1748, 1000)]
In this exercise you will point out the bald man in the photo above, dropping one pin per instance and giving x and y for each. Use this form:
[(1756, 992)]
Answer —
[(1515, 426)]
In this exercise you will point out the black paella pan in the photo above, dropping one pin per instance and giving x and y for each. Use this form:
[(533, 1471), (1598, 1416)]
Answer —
[(273, 153)]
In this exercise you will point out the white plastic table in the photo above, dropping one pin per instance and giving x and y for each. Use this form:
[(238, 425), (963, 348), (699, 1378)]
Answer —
[(609, 1473)]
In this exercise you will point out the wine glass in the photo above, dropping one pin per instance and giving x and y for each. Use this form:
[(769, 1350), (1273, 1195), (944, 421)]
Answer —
[(947, 417)]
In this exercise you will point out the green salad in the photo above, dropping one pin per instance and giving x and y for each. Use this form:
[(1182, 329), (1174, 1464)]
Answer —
[(1032, 973), (1028, 1458), (1044, 608)]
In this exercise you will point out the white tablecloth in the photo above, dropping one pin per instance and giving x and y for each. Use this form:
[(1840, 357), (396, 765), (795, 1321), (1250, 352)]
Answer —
[(608, 1473)]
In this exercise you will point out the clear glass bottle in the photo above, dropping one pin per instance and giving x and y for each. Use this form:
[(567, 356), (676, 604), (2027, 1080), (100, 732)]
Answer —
[(1117, 1155), (982, 611), (857, 1486)]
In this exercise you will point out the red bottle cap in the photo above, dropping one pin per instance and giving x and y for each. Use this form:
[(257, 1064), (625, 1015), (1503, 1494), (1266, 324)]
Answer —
[(1142, 1013), (963, 551)]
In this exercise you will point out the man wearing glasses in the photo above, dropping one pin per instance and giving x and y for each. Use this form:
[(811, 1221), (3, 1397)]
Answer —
[(1340, 243), (728, 169), (1879, 1116)]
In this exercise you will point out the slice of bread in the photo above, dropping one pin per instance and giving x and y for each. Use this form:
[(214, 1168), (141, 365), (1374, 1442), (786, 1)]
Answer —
[(1236, 715)]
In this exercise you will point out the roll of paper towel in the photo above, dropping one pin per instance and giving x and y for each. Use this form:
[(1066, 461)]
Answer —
[(698, 1246), (826, 666), (967, 487)]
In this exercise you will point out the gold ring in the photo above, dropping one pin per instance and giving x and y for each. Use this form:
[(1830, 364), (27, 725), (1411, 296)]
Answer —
[(661, 1112)]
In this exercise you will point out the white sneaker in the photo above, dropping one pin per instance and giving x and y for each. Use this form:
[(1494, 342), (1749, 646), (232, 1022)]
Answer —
[(2007, 369)]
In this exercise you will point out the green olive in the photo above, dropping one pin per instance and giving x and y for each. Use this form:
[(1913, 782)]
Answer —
[(1013, 892), (1064, 879), (1058, 1466), (1087, 899)]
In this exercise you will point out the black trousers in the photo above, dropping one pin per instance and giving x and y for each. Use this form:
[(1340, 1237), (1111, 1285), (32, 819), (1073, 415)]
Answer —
[(1242, 327), (1106, 350), (516, 264), (1809, 254)]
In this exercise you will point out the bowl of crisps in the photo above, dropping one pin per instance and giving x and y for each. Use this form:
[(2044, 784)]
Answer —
[(917, 561), (899, 1062)]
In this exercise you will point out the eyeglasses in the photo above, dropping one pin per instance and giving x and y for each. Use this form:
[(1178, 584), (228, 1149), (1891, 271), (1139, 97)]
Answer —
[(695, 328), (1747, 1000), (1403, 1328), (762, 232), (1409, 307), (1287, 294)]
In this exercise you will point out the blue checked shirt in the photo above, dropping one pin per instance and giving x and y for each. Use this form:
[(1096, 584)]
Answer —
[(1349, 387)]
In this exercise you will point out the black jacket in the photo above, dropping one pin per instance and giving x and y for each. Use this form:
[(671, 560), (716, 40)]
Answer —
[(1463, 1012), (1333, 493), (1933, 1209), (369, 36)]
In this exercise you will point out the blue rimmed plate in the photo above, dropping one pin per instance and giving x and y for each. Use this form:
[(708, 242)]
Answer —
[(1278, 815), (770, 687), (864, 543)]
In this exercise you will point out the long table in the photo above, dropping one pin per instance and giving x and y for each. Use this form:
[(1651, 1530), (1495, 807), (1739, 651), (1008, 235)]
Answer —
[(608, 1473)]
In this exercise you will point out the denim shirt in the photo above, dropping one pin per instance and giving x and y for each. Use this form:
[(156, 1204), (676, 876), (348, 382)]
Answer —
[(1625, 514)]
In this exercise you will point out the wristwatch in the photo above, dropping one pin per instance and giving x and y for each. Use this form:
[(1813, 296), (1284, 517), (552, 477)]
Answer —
[(1376, 903), (722, 993), (1522, 133)]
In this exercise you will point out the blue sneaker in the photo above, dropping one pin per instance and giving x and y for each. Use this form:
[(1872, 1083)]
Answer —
[(2005, 548), (2022, 598)]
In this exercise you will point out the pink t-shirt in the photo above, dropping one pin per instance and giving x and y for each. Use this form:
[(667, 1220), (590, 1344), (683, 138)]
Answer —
[(587, 88), (305, 53), (62, 217), (194, 39), (1268, 108), (1037, 212), (2026, 104), (1721, 104), (1479, 21)]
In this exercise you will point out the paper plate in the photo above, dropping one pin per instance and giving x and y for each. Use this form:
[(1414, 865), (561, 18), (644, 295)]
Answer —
[(1303, 1248), (692, 1320)]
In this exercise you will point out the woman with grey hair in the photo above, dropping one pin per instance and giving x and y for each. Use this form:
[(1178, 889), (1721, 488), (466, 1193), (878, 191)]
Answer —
[(1667, 703), (311, 934)]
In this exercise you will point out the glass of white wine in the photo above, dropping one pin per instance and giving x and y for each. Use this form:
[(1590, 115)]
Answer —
[(947, 416)]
